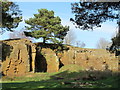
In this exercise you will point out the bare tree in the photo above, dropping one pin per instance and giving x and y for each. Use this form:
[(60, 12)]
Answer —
[(70, 38), (80, 44), (19, 34), (115, 33), (102, 43)]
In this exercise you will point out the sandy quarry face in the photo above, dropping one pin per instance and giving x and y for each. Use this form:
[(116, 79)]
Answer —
[(90, 59), (20, 56)]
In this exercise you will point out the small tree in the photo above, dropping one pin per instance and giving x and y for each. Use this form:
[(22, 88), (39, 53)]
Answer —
[(80, 44), (70, 38), (11, 15), (19, 34), (45, 25), (102, 43)]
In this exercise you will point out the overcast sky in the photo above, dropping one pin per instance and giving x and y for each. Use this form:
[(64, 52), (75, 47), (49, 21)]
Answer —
[(63, 10)]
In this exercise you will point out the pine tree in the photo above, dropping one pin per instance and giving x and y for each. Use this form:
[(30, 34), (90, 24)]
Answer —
[(89, 15), (45, 25), (11, 15)]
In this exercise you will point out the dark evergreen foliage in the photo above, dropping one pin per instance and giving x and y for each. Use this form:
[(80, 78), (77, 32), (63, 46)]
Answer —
[(11, 15), (89, 15), (45, 25)]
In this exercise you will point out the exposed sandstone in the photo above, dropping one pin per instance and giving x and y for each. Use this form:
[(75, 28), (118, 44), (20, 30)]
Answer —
[(51, 60), (21, 56), (90, 59), (18, 58)]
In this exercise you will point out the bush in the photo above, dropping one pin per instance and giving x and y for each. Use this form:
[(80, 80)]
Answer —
[(71, 68)]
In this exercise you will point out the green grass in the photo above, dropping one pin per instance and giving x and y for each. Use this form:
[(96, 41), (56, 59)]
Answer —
[(50, 80)]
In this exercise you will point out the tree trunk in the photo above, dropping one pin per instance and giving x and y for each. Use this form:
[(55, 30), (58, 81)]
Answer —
[(119, 28), (119, 24), (44, 39)]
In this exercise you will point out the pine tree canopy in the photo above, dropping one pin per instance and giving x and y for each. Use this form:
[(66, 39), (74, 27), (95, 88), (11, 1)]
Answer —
[(45, 25), (11, 15), (91, 14)]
